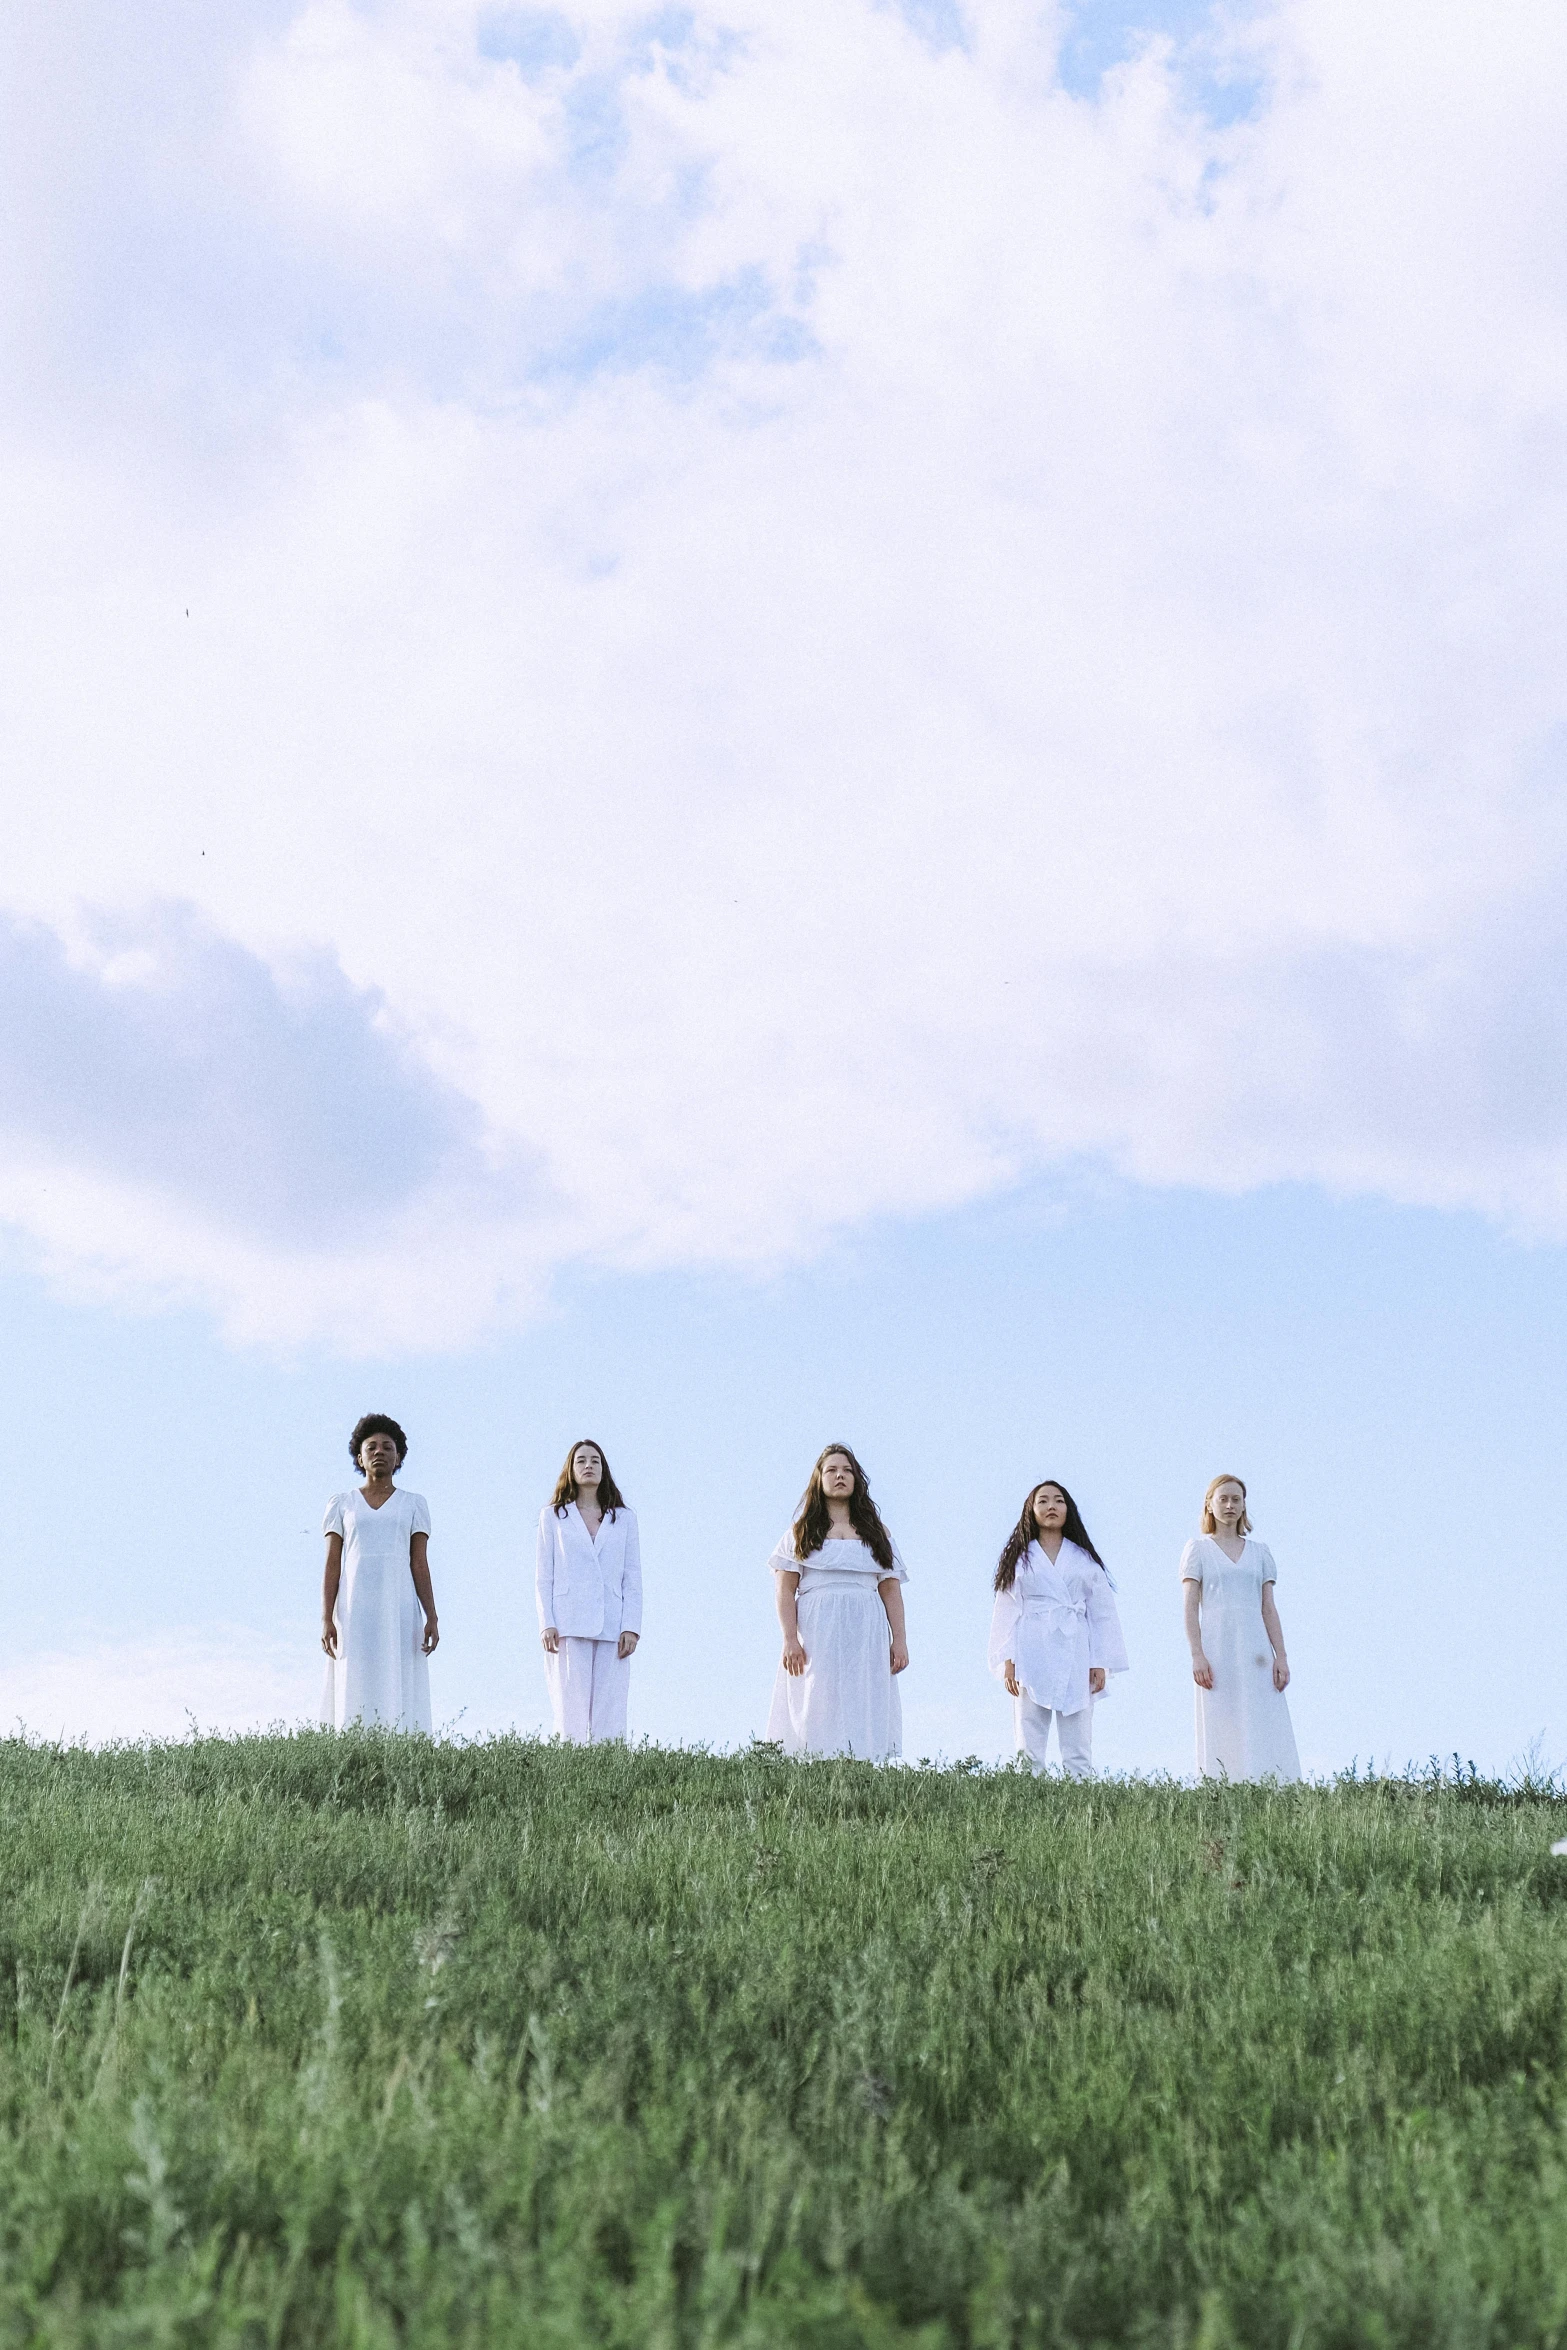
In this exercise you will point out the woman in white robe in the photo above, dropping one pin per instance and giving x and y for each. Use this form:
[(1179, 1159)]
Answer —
[(378, 1620), (588, 1584), (1237, 1643), (1055, 1632), (839, 1586)]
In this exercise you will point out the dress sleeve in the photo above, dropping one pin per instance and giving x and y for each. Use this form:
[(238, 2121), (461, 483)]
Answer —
[(900, 1571), (1003, 1625), (332, 1523), (783, 1560), (1270, 1573), (1106, 1645), (1191, 1562), (419, 1521)]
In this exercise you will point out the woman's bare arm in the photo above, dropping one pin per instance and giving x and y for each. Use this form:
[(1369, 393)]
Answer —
[(1202, 1671), (1275, 1632), (892, 1600), (419, 1568), (788, 1585), (329, 1583)]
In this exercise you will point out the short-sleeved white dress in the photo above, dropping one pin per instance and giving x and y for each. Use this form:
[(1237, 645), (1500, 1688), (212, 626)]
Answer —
[(1243, 1723), (381, 1673), (846, 1700)]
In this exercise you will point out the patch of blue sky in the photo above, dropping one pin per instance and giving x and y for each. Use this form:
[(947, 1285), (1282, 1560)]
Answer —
[(679, 331), (1102, 34), (940, 24), (595, 125), (536, 40)]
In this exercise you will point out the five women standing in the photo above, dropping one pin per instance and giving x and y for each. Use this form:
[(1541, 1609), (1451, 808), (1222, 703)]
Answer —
[(1055, 1632)]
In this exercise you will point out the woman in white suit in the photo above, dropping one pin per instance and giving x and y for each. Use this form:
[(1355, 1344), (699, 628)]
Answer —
[(589, 1584)]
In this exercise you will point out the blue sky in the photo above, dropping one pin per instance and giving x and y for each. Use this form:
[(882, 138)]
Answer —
[(735, 728)]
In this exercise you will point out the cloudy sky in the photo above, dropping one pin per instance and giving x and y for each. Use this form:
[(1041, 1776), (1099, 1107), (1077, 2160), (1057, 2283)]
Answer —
[(743, 723)]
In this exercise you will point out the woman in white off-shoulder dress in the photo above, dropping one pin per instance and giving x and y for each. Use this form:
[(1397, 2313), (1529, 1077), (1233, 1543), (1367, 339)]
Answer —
[(1237, 1643), (1055, 1631), (839, 1582), (378, 1608)]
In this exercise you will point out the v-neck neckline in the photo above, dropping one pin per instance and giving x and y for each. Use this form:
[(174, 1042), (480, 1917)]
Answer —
[(376, 1507), (583, 1523), (1224, 1554)]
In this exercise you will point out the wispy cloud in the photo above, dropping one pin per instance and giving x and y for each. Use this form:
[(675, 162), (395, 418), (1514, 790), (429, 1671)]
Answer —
[(789, 617)]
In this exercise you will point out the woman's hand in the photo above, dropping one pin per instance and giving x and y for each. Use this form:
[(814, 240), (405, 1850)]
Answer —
[(627, 1645), (794, 1658), (1202, 1671), (1281, 1674), (329, 1636), (900, 1656), (1010, 1677), (432, 1636), (551, 1640), (1096, 1680)]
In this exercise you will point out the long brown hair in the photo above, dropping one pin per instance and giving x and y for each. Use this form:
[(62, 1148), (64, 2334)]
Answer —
[(812, 1521), (1210, 1524), (611, 1498), (1026, 1531)]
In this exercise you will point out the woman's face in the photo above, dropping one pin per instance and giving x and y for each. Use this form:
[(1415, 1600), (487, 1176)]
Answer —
[(837, 1477), (587, 1465), (378, 1455), (1050, 1509), (1228, 1504)]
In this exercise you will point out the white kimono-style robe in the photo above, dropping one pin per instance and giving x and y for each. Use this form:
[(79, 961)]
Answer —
[(588, 1586), (1058, 1620)]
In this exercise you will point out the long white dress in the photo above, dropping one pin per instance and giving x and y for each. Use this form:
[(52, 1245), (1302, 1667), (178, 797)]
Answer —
[(1243, 1723), (381, 1673), (846, 1700)]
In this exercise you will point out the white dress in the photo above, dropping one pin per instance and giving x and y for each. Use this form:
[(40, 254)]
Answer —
[(1056, 1621), (846, 1700), (1243, 1722), (381, 1673)]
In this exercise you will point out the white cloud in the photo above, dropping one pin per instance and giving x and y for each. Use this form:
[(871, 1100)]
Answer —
[(816, 623)]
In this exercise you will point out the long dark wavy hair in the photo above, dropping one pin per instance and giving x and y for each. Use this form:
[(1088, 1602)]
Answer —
[(810, 1526), (611, 1498), (1025, 1531)]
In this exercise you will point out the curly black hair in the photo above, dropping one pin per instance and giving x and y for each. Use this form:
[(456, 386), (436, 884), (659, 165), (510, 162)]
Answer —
[(376, 1424)]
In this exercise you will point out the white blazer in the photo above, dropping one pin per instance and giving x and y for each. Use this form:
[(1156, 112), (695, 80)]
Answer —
[(589, 1588)]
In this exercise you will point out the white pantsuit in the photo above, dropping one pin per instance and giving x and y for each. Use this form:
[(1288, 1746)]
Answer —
[(1055, 1623), (1075, 1733), (590, 1682), (589, 1590)]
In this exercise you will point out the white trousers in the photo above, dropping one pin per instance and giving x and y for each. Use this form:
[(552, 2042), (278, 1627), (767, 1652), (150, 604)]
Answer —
[(589, 1685), (1075, 1732)]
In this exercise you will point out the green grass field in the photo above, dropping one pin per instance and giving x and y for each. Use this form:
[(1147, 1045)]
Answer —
[(365, 2041)]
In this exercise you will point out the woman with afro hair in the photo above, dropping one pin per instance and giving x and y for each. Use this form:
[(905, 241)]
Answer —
[(378, 1622)]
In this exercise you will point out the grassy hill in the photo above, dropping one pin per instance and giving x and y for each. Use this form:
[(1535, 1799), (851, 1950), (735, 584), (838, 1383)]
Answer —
[(358, 2041)]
